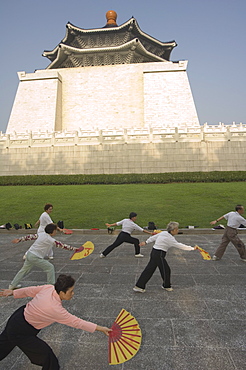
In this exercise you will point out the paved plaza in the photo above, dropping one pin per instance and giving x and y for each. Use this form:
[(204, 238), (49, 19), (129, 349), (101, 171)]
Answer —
[(201, 325)]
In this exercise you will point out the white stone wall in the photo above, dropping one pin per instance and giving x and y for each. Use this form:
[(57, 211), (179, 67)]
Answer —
[(102, 97), (127, 96), (218, 149), (37, 103), (168, 100)]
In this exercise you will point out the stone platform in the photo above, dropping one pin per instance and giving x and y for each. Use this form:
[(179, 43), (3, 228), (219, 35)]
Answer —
[(201, 325)]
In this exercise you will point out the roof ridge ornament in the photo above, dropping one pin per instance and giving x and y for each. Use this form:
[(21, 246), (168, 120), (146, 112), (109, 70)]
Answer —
[(111, 17)]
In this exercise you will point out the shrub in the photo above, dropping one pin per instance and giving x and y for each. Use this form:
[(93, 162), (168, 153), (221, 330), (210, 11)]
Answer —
[(152, 178)]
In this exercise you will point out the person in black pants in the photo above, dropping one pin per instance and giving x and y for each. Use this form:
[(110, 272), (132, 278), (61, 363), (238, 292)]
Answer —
[(128, 226), (163, 241), (44, 309), (20, 333)]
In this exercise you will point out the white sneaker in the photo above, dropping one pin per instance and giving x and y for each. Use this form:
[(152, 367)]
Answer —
[(16, 287), (139, 255), (167, 289), (138, 290), (24, 257), (243, 259), (51, 257), (102, 255), (215, 258)]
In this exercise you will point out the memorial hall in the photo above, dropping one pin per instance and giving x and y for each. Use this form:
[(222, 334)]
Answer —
[(112, 101)]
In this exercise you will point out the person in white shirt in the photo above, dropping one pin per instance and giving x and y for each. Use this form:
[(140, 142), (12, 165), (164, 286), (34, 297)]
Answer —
[(45, 218), (44, 242), (43, 221), (163, 241), (234, 220), (128, 226)]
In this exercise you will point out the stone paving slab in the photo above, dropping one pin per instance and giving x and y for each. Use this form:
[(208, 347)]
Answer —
[(201, 325)]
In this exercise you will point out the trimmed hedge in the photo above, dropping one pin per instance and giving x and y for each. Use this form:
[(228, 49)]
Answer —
[(154, 178)]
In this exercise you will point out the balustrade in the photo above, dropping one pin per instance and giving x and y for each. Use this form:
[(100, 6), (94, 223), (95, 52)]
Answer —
[(220, 132)]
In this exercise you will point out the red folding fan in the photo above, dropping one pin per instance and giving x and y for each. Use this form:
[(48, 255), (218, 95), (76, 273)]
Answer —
[(67, 231), (124, 339)]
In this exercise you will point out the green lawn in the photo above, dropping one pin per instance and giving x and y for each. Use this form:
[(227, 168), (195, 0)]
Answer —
[(89, 206)]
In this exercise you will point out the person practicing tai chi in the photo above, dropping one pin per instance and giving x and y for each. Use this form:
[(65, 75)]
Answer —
[(128, 226), (234, 220), (36, 253), (43, 310), (43, 221), (163, 241)]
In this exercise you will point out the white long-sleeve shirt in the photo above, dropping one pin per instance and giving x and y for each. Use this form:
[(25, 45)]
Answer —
[(165, 240), (44, 221), (43, 244), (234, 219), (128, 226)]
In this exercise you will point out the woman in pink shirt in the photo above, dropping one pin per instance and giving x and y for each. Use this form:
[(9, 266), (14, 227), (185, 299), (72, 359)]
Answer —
[(44, 309)]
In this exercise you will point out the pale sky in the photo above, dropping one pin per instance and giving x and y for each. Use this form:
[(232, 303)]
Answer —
[(211, 35)]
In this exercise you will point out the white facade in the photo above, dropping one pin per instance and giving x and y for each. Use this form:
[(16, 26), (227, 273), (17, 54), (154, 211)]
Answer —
[(130, 118), (114, 96)]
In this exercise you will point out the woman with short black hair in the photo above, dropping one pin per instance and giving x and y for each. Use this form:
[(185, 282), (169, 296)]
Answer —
[(128, 226), (44, 309)]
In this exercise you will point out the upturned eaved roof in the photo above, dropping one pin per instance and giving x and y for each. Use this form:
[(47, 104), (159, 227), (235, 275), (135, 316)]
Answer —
[(106, 46)]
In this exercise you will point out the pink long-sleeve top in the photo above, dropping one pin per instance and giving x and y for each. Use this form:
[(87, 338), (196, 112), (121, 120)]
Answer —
[(46, 308)]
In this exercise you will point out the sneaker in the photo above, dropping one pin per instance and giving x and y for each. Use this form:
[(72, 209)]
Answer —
[(24, 257), (167, 289), (215, 258), (17, 287), (139, 255), (102, 255), (243, 259), (51, 257), (138, 290)]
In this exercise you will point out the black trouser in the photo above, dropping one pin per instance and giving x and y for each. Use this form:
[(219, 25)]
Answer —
[(18, 332), (157, 259), (121, 238)]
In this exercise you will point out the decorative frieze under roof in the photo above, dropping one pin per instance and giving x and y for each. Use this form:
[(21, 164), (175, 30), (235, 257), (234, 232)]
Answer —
[(109, 45)]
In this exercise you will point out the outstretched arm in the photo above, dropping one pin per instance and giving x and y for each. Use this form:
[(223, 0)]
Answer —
[(64, 246), (148, 232), (103, 329), (25, 238), (6, 292), (61, 230), (215, 221), (151, 239), (109, 225)]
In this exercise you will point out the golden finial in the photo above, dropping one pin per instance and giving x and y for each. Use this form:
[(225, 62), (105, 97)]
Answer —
[(111, 17)]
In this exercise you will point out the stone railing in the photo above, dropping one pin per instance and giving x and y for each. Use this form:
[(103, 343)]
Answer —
[(221, 132)]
